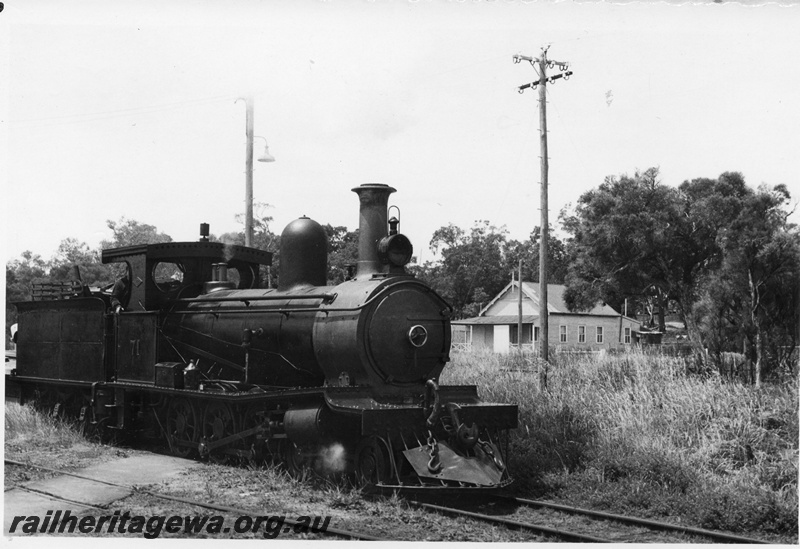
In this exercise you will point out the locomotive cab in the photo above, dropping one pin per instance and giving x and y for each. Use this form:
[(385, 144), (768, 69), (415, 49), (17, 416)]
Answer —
[(158, 275), (161, 273)]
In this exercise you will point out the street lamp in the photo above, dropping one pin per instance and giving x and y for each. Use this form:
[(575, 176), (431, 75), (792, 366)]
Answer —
[(265, 157)]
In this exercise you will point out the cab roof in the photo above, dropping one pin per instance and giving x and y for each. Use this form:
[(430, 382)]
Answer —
[(214, 251)]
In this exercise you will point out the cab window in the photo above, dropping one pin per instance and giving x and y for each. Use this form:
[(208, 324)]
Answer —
[(168, 276)]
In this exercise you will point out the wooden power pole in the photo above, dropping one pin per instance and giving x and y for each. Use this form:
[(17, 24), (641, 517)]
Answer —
[(541, 64), (519, 306), (248, 195)]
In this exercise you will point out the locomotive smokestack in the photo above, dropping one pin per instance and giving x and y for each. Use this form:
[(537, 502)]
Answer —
[(374, 199)]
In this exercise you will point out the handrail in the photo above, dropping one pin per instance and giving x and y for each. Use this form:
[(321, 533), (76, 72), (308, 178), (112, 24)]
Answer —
[(325, 297)]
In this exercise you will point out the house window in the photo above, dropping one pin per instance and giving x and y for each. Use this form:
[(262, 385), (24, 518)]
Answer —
[(599, 334), (562, 334), (526, 334), (535, 334), (627, 335), (581, 334)]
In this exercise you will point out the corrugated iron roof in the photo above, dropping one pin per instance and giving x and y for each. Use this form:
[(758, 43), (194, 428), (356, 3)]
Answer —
[(555, 299)]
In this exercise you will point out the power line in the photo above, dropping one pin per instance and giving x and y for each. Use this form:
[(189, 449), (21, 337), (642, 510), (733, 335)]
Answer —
[(102, 115)]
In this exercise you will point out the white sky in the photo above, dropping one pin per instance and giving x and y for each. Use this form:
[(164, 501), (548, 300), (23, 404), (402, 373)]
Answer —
[(128, 108)]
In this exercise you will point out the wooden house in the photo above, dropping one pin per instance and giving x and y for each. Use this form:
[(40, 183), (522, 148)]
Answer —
[(496, 326)]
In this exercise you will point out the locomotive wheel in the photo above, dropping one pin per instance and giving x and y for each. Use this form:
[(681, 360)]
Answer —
[(293, 458), (181, 426), (373, 462), (217, 424)]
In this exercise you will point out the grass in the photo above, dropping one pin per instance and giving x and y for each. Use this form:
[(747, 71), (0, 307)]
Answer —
[(25, 426), (35, 437), (637, 433)]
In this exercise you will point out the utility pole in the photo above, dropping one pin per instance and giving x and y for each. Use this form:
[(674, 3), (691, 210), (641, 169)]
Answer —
[(519, 306), (541, 64), (248, 195)]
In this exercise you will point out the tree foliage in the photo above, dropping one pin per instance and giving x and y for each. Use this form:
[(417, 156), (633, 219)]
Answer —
[(721, 251), (129, 232), (473, 264), (756, 283), (624, 235), (528, 252), (342, 252), (476, 265)]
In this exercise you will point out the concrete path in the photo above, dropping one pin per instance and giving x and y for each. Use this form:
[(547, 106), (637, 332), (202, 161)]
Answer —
[(80, 495)]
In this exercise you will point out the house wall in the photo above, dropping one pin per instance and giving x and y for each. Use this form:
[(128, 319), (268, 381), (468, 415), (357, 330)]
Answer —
[(613, 331), (482, 337), (497, 337)]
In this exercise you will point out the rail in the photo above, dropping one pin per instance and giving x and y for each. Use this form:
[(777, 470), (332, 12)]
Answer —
[(579, 536), (658, 525), (538, 528), (224, 508)]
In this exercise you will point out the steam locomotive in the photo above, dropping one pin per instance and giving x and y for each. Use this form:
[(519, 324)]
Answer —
[(342, 378)]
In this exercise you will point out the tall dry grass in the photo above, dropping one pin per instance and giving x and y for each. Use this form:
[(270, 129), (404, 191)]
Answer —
[(25, 426), (633, 430)]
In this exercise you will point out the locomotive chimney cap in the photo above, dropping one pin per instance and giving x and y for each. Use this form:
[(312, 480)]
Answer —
[(374, 186)]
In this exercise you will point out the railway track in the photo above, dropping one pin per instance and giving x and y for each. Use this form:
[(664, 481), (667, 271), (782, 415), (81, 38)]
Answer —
[(567, 535), (329, 531), (526, 514), (548, 519)]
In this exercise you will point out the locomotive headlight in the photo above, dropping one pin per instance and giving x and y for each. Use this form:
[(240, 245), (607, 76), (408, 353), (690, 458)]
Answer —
[(395, 250), (418, 335)]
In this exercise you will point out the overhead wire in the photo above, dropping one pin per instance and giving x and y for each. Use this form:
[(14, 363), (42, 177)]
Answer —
[(80, 118)]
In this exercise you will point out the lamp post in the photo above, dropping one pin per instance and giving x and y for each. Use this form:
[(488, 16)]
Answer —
[(265, 157)]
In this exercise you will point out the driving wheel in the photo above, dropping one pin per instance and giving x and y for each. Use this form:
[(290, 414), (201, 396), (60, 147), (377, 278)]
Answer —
[(181, 427), (217, 424), (373, 462)]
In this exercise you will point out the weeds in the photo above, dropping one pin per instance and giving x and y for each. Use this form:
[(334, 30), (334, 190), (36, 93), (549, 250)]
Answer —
[(24, 426), (638, 431)]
